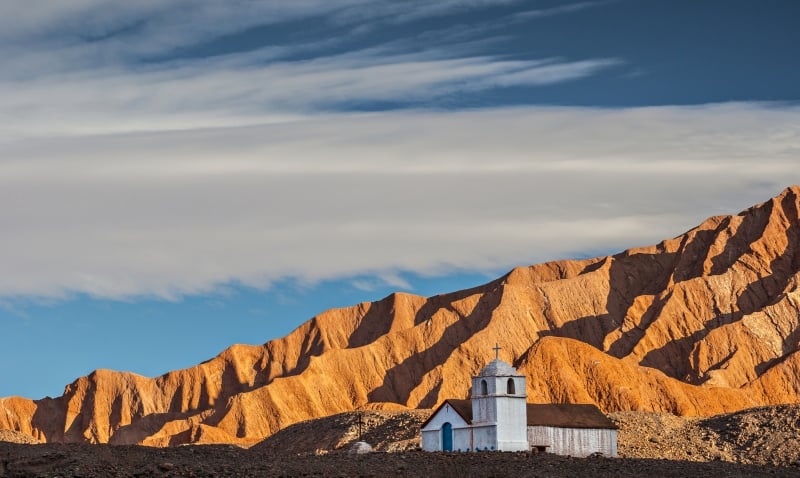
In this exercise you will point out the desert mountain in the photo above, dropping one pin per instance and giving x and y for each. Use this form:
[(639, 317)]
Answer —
[(705, 323)]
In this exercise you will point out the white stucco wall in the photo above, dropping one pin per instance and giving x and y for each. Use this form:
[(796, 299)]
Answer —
[(483, 410), (512, 419), (577, 442), (431, 440), (432, 434), (484, 437), (462, 439)]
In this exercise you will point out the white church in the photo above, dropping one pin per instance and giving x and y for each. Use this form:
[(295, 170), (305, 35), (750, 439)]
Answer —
[(497, 417)]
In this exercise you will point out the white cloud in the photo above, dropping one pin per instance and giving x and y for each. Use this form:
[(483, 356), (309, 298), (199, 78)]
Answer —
[(92, 33), (381, 279), (402, 12), (164, 23), (55, 81), (120, 179), (560, 10), (231, 91), (58, 37), (174, 212)]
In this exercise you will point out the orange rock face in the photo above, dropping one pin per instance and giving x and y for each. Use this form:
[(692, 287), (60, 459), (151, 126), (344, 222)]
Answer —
[(705, 323)]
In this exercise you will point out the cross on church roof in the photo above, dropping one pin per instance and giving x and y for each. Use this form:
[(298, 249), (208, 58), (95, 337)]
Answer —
[(496, 351)]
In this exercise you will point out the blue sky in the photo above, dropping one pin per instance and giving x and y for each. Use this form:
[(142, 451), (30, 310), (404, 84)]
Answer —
[(177, 176)]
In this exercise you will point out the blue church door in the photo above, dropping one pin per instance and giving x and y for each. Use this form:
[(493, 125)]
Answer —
[(447, 437)]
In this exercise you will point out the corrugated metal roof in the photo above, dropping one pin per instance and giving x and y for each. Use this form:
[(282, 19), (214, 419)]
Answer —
[(567, 415), (562, 415)]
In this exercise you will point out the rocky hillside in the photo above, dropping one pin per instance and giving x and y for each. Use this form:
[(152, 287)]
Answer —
[(11, 436), (757, 442), (762, 436), (701, 324), (384, 431), (758, 436)]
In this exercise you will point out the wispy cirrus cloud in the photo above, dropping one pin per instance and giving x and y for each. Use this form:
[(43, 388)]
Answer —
[(89, 66), (560, 10), (62, 37), (234, 92), (395, 12), (108, 27)]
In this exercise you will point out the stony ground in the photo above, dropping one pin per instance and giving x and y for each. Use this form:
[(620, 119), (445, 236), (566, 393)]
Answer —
[(205, 461), (758, 442)]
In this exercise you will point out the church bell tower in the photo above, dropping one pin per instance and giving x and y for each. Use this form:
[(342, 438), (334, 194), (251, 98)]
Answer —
[(499, 408)]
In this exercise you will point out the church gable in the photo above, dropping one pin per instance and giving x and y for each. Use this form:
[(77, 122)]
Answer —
[(456, 412)]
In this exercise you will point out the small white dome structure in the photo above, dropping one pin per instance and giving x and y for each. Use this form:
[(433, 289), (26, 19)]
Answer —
[(498, 368), (360, 448)]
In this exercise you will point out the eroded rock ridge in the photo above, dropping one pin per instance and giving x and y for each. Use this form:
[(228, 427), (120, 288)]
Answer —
[(705, 323)]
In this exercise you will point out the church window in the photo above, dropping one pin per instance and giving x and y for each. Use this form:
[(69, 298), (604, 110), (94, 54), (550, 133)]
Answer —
[(484, 388), (511, 389)]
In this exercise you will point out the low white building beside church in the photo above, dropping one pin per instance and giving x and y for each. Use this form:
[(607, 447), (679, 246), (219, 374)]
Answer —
[(497, 417)]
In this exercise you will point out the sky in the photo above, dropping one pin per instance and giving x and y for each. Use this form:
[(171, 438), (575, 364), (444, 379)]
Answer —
[(177, 176)]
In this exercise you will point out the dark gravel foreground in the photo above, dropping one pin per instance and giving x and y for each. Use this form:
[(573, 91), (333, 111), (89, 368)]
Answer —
[(54, 460)]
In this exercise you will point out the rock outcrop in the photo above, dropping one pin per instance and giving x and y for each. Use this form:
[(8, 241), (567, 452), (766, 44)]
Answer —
[(705, 323)]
